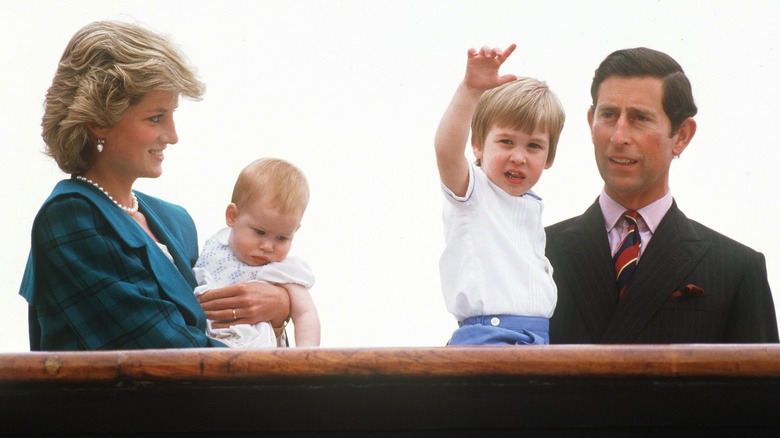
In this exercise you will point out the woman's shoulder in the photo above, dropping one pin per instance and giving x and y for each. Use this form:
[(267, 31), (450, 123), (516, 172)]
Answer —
[(69, 213), (66, 200)]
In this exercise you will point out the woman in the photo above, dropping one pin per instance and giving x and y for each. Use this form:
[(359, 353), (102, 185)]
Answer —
[(110, 268)]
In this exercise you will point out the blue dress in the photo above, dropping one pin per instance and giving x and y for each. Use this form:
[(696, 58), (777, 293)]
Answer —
[(95, 280)]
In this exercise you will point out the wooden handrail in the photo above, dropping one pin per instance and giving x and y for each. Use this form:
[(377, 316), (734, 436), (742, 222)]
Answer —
[(739, 361), (549, 390)]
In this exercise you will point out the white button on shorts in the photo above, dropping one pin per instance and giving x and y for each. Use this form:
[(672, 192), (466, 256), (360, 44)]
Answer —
[(495, 321)]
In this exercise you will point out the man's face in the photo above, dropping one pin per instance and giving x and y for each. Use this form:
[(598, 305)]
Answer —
[(632, 139)]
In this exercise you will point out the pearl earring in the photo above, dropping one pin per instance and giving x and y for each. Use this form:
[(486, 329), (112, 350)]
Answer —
[(100, 144)]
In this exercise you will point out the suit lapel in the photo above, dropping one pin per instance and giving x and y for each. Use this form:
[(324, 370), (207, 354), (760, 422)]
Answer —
[(585, 253), (671, 255)]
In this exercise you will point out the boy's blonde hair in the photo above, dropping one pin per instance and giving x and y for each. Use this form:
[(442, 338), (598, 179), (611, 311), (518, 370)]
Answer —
[(525, 104), (277, 182)]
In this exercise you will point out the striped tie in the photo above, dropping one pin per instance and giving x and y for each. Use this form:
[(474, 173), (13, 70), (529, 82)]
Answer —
[(626, 256)]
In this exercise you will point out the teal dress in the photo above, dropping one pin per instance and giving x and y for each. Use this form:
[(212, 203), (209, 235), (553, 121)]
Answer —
[(96, 281)]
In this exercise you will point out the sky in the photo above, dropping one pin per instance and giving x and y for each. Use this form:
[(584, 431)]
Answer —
[(351, 92)]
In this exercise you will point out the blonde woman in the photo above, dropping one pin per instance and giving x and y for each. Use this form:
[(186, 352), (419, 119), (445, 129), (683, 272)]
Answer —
[(110, 267)]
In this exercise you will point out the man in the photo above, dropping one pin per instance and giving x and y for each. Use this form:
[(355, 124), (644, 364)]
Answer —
[(688, 283)]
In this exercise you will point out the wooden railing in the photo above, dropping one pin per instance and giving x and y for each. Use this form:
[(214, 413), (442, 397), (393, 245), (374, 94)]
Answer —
[(546, 390)]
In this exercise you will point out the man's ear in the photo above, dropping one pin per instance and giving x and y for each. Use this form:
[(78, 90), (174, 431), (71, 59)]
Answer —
[(590, 119), (684, 135), (230, 214)]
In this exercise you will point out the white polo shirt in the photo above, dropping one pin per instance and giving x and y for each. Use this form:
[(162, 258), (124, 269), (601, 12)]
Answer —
[(493, 261)]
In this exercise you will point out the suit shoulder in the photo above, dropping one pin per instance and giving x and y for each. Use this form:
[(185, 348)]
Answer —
[(591, 219), (560, 226), (719, 240)]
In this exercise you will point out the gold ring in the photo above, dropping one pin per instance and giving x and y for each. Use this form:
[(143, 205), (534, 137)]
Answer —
[(234, 315)]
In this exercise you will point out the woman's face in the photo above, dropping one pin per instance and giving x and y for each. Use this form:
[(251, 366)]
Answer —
[(134, 146)]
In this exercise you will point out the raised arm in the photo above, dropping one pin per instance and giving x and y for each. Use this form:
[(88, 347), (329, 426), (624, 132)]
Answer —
[(453, 132)]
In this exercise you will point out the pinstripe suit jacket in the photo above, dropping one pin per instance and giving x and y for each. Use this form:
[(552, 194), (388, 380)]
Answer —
[(736, 306), (95, 280)]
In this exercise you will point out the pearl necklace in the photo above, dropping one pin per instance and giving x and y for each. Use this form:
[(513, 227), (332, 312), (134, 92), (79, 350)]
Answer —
[(129, 210)]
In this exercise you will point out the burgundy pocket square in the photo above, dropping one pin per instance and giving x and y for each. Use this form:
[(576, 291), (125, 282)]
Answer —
[(690, 290)]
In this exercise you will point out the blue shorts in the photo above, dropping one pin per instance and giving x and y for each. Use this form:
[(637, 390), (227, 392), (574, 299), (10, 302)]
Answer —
[(502, 330)]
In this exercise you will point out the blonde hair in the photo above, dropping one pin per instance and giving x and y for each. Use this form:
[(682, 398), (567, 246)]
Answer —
[(525, 104), (277, 182), (105, 68)]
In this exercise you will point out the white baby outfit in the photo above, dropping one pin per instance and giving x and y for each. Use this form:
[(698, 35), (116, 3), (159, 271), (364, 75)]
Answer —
[(218, 266)]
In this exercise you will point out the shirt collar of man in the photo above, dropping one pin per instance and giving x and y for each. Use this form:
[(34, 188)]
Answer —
[(652, 214)]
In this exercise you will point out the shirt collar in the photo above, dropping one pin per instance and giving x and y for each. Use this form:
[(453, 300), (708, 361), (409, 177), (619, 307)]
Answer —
[(532, 194), (652, 214), (223, 236)]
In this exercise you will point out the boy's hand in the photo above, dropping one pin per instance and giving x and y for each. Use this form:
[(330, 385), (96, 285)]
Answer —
[(452, 134), (482, 68)]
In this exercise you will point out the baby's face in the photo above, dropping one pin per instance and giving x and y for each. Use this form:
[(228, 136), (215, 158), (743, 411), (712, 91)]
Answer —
[(260, 235)]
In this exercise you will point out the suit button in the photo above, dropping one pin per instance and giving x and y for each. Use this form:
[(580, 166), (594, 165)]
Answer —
[(495, 321)]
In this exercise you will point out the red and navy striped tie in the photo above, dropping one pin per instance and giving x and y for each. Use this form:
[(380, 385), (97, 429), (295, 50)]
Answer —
[(625, 258)]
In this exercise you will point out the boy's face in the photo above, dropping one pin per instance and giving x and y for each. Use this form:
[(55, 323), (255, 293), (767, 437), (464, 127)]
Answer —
[(260, 235), (514, 160)]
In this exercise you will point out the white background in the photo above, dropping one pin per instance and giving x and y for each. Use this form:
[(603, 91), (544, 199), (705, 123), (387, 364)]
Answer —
[(351, 91)]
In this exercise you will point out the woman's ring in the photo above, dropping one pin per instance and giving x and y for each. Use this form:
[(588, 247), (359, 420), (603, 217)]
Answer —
[(234, 315)]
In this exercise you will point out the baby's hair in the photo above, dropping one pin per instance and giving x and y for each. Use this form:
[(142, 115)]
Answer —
[(525, 104), (277, 182)]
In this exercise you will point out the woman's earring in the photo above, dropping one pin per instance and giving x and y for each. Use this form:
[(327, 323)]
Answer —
[(100, 144)]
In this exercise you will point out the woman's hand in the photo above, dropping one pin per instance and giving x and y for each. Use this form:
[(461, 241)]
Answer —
[(246, 303)]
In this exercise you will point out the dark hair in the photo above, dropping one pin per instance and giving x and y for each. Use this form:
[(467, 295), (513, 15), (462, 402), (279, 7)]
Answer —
[(643, 62)]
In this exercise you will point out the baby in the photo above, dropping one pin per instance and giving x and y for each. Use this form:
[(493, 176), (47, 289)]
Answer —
[(269, 199)]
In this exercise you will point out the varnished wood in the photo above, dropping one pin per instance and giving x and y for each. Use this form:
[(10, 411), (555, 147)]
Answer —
[(448, 391), (579, 361)]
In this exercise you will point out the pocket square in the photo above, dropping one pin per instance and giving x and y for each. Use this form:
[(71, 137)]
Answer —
[(690, 290)]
